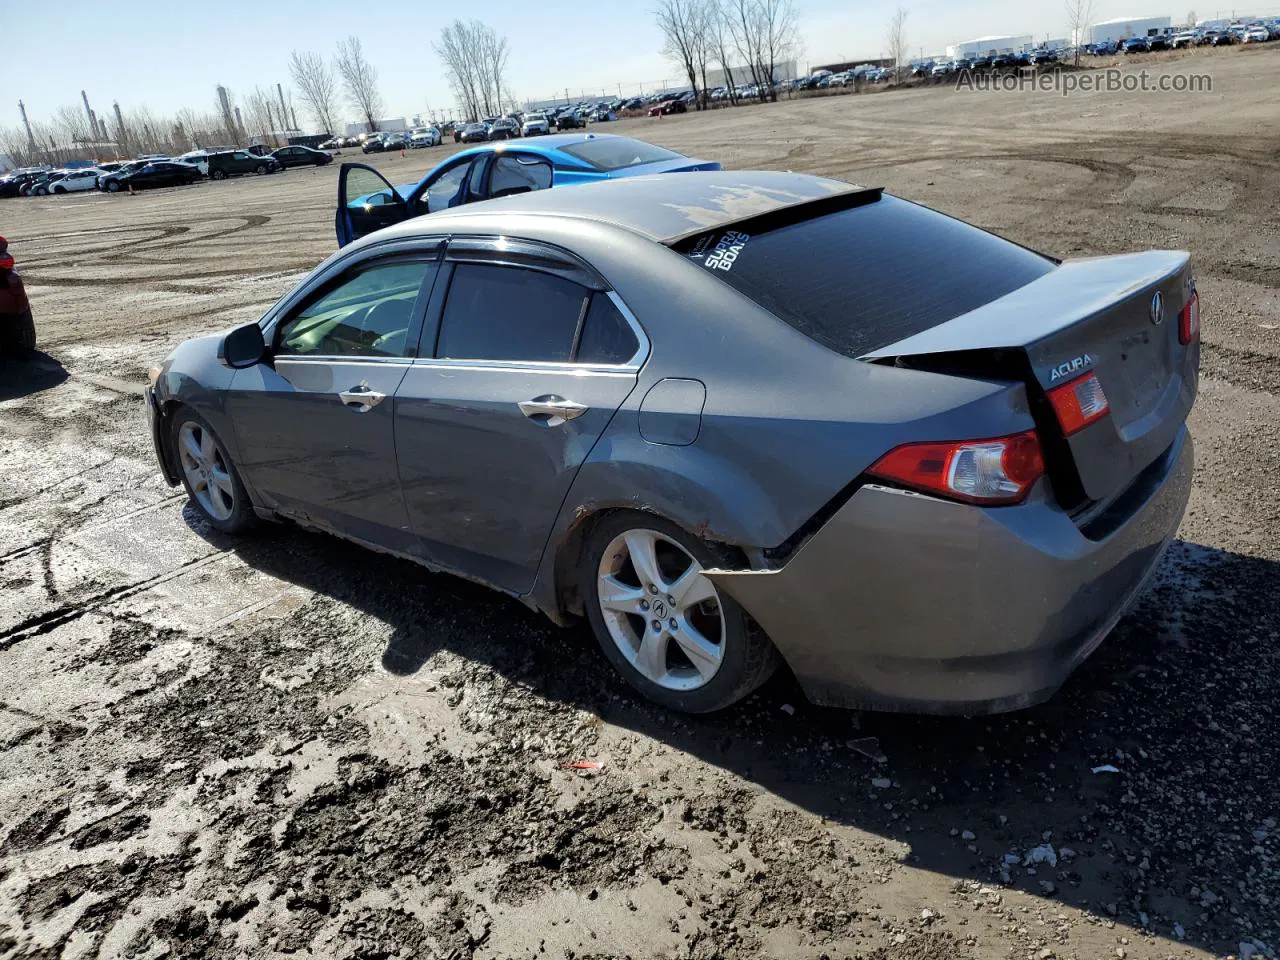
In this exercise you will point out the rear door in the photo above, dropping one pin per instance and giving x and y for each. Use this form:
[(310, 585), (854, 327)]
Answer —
[(315, 423), (528, 361)]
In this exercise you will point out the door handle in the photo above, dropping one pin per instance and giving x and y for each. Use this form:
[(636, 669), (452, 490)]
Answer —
[(361, 398), (556, 409)]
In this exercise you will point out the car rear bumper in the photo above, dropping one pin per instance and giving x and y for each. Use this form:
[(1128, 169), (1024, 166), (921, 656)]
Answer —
[(907, 602)]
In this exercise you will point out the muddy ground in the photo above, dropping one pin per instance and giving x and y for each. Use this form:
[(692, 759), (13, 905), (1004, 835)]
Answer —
[(284, 745)]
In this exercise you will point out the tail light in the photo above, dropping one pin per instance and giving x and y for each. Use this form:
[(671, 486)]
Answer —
[(6, 260), (991, 472), (1189, 320), (1079, 403)]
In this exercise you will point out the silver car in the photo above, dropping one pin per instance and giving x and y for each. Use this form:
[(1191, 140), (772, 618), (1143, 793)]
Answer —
[(734, 420)]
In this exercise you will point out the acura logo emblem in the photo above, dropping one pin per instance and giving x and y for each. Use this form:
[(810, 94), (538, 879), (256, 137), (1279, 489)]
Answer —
[(1157, 308)]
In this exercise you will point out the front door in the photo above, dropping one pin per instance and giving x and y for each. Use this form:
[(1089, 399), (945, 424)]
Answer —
[(528, 369), (315, 423)]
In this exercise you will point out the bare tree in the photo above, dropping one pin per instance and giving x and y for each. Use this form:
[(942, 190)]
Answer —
[(720, 44), (684, 29), (261, 113), (765, 33), (476, 60), (779, 37), (897, 41), (1079, 13), (317, 86), (360, 80)]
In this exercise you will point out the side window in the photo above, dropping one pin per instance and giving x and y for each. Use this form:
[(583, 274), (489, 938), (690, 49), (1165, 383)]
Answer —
[(441, 194), (606, 336), (475, 187), (508, 313), (367, 315), (513, 173)]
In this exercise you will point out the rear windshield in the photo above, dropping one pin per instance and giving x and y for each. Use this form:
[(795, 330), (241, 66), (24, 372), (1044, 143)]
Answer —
[(862, 278), (615, 153)]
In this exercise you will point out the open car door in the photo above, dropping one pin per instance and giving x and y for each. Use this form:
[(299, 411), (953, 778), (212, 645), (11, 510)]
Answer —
[(366, 202)]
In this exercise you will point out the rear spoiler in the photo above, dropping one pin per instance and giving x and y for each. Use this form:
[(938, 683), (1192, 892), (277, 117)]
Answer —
[(1075, 291), (777, 217)]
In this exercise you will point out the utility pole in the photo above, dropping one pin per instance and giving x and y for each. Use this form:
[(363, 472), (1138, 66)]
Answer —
[(31, 137), (284, 111)]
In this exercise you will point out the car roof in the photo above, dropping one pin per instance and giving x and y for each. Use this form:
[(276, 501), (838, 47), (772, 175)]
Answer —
[(661, 207)]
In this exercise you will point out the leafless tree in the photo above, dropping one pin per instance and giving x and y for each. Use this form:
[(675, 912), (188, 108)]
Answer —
[(779, 37), (897, 41), (685, 25), (475, 58), (262, 115), (317, 86), (764, 33), (1079, 13), (720, 44), (360, 79)]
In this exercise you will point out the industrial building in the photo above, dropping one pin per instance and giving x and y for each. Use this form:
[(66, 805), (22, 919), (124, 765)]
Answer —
[(390, 125), (1126, 28), (990, 47)]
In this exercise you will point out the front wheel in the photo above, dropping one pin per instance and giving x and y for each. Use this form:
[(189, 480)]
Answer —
[(59, 190), (113, 187), (218, 175), (662, 623), (260, 169), (208, 475)]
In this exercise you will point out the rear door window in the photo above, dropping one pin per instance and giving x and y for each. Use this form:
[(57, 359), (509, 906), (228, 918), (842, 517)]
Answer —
[(862, 278), (510, 313)]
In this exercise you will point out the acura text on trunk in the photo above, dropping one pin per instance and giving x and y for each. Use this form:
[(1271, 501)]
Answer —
[(734, 420)]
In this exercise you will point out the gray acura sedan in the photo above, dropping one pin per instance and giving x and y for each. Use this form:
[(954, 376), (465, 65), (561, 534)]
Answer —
[(734, 420)]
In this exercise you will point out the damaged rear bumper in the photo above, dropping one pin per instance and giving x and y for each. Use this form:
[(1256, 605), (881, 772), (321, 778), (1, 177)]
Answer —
[(907, 602)]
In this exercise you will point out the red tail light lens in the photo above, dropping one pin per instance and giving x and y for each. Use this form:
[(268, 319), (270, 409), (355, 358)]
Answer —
[(1189, 320), (991, 472), (1079, 403)]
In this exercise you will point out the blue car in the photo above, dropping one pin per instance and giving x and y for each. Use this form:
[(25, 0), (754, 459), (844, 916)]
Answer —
[(367, 201)]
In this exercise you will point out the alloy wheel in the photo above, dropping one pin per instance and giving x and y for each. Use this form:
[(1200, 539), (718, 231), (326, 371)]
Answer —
[(660, 610), (206, 471)]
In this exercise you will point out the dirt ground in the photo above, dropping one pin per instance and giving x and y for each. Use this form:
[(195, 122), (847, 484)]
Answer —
[(285, 745)]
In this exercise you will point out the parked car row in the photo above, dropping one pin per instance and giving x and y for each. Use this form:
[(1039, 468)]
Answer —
[(157, 171)]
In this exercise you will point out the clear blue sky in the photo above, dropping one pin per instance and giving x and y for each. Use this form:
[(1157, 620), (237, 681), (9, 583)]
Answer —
[(168, 55)]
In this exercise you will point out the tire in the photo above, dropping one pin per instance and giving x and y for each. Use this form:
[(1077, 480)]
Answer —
[(59, 190), (113, 186), (737, 657), (260, 169), (224, 504), (218, 175), (19, 339)]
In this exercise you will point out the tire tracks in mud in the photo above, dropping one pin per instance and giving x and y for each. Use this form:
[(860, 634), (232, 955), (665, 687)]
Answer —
[(17, 553), (42, 623)]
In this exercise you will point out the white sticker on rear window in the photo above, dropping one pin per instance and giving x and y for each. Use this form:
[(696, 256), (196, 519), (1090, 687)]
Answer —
[(725, 252)]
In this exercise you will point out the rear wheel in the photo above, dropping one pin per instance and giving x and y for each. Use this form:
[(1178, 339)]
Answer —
[(218, 175), (208, 475), (19, 338), (663, 624)]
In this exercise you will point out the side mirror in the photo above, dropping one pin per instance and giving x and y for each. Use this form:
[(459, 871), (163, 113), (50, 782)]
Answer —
[(243, 347)]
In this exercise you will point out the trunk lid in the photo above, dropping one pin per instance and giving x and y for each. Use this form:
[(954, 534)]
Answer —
[(1115, 317)]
